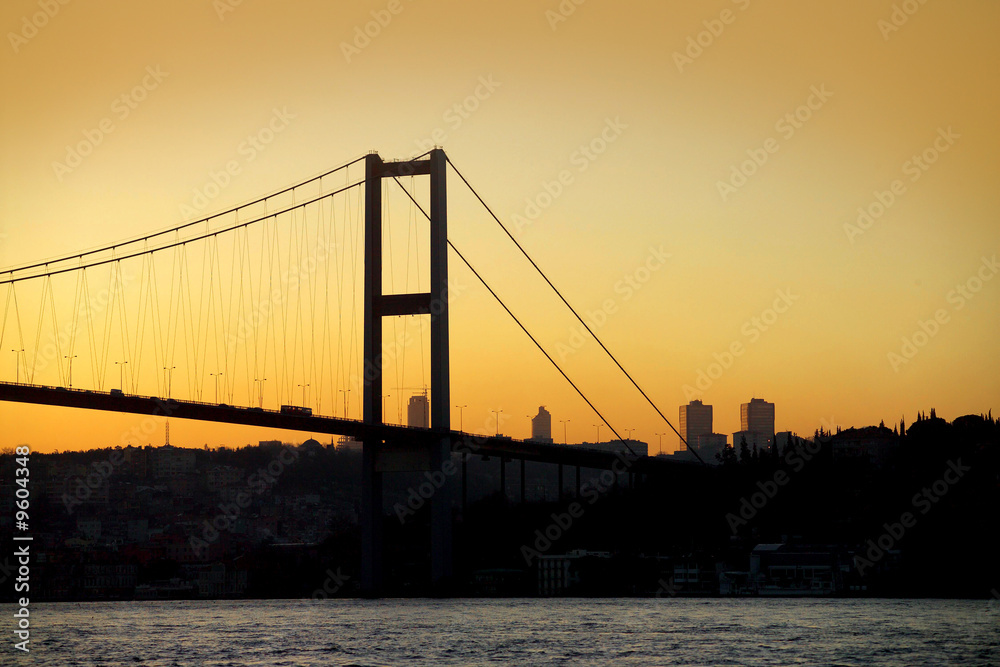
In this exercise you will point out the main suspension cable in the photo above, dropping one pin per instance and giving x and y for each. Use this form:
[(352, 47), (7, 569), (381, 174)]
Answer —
[(523, 328), (163, 232), (572, 310)]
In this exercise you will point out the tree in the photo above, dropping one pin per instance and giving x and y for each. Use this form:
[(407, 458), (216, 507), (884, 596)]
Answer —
[(727, 456), (744, 451), (788, 445)]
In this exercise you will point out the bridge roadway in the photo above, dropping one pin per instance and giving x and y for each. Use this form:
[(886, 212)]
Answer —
[(397, 436)]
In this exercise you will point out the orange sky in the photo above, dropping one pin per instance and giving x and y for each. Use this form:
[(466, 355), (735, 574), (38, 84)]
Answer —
[(678, 120)]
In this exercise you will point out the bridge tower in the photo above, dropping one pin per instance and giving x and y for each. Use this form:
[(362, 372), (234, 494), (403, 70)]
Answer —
[(377, 453)]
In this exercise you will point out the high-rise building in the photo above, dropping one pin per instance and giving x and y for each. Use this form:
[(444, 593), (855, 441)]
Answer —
[(418, 411), (541, 426), (695, 420), (757, 416)]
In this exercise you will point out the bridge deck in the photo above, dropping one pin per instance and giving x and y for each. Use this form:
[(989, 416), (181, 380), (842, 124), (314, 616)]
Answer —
[(508, 448)]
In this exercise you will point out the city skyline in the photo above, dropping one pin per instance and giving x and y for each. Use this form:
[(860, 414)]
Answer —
[(825, 238)]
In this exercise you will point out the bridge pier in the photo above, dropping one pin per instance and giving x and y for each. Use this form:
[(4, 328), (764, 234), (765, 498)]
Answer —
[(441, 528), (371, 521)]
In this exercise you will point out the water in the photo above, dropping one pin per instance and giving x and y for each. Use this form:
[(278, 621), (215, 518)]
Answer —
[(522, 632)]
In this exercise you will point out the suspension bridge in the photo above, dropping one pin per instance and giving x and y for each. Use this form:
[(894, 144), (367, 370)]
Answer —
[(236, 316)]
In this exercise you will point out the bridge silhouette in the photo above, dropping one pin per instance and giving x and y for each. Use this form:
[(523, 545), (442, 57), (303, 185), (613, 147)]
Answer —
[(231, 309)]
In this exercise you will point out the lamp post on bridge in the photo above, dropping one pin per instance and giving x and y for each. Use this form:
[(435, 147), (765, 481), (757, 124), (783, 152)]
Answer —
[(384, 396), (217, 376), (121, 374), (303, 393), (17, 365), (564, 422), (598, 432), (345, 392), (460, 421), (659, 447), (168, 378), (71, 358), (260, 399), (497, 413)]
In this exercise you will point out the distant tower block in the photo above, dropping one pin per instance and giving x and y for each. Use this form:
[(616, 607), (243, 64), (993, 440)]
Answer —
[(758, 416), (418, 411), (695, 420), (541, 426)]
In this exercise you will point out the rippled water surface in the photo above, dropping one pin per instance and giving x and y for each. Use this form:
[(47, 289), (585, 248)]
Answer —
[(524, 632)]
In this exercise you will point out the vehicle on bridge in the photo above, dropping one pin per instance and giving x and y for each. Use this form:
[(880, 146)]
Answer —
[(296, 410)]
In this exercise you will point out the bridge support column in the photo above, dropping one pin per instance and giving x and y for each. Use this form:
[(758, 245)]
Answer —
[(441, 528), (378, 305), (441, 519), (522, 481), (465, 482), (371, 478), (559, 496), (503, 478), (371, 521)]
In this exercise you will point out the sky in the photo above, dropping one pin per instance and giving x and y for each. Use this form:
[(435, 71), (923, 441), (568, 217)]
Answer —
[(783, 200)]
